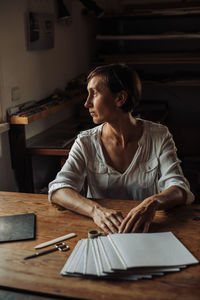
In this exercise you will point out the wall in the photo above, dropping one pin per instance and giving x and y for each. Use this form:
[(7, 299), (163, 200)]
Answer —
[(38, 73)]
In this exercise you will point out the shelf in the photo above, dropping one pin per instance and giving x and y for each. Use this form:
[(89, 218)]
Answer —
[(44, 110), (164, 36), (172, 82), (59, 136), (156, 9), (51, 152), (151, 58)]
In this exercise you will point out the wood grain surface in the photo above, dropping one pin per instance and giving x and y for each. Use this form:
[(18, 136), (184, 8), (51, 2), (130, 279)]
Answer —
[(42, 274)]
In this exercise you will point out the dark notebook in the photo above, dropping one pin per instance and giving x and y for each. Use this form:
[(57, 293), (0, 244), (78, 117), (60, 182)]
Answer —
[(17, 227)]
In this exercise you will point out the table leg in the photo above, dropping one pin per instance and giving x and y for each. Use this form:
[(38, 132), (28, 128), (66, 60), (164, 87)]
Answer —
[(21, 161)]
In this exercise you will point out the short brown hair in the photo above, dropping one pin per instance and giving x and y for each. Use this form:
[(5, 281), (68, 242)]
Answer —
[(118, 77)]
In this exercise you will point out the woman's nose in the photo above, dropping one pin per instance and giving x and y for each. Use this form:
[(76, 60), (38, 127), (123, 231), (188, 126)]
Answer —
[(88, 102)]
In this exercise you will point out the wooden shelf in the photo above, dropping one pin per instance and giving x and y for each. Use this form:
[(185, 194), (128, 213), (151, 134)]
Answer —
[(51, 152), (156, 9), (45, 110), (151, 58), (163, 36), (172, 83), (55, 139)]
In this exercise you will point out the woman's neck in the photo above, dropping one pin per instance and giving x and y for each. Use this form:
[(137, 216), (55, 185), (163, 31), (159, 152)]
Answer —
[(122, 131)]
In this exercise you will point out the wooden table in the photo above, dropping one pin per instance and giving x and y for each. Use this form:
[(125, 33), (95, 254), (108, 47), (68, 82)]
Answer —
[(42, 275)]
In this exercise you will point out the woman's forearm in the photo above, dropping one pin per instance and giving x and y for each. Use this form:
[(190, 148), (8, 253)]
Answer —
[(72, 200), (107, 219), (171, 197), (142, 215)]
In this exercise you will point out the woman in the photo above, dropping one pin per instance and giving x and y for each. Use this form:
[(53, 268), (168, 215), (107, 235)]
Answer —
[(123, 158)]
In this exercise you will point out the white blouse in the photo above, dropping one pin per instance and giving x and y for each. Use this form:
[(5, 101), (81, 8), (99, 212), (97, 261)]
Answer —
[(154, 168)]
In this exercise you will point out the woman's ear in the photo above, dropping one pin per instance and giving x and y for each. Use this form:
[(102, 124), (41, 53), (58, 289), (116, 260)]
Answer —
[(121, 98)]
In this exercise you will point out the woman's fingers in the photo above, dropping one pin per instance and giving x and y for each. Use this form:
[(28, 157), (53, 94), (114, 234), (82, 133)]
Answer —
[(109, 226), (119, 217), (109, 220), (123, 225), (146, 227), (129, 221), (115, 220), (132, 223), (138, 219), (138, 224), (105, 228)]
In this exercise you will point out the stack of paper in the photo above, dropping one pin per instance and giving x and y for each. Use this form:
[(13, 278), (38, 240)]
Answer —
[(129, 256)]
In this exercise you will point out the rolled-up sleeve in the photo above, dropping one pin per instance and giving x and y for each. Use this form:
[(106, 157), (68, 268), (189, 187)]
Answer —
[(171, 173), (72, 174)]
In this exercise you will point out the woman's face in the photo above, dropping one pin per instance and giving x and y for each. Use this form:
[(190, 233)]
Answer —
[(100, 101)]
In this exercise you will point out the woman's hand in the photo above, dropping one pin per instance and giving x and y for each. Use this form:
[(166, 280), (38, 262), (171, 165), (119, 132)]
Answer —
[(140, 217), (109, 220)]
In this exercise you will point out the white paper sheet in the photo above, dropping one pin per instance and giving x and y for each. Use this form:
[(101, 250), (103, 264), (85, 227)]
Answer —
[(106, 265), (74, 258), (151, 250), (111, 255), (80, 259), (128, 256), (91, 265)]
